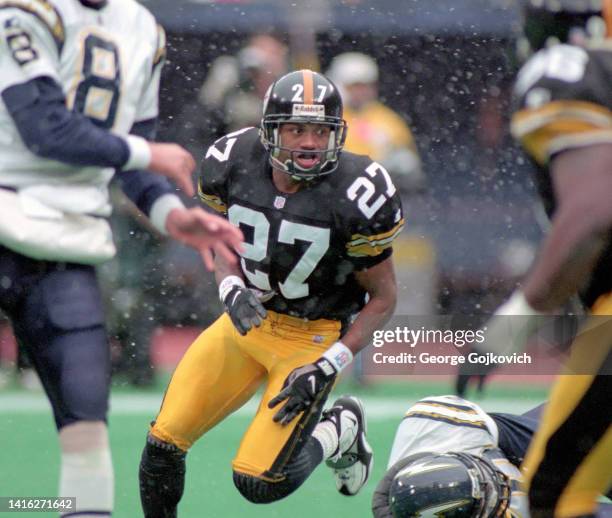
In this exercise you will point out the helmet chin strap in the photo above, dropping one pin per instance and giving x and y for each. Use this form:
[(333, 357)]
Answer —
[(288, 169)]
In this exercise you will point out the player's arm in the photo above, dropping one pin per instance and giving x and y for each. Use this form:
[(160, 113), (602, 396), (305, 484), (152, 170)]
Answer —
[(241, 303), (579, 232), (379, 282), (305, 383), (243, 308), (564, 125), (580, 228), (156, 198), (34, 98), (49, 130)]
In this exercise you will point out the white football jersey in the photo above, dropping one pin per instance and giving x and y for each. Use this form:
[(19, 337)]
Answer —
[(107, 64), (442, 424), (446, 424)]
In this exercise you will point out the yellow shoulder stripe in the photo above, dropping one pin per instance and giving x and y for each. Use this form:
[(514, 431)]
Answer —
[(362, 238), (214, 202), (527, 120), (561, 124), (45, 12), (160, 53), (362, 245)]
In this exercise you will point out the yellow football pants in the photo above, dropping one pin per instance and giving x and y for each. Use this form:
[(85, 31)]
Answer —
[(222, 370), (569, 461)]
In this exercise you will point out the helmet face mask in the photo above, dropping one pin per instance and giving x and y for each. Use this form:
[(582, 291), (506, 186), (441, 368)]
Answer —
[(303, 98), (452, 485), (577, 22)]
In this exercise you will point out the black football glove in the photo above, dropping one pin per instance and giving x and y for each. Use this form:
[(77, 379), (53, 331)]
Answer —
[(244, 309), (301, 389)]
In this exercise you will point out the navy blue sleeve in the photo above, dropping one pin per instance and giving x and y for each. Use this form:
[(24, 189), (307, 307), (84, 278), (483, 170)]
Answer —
[(50, 130), (515, 433), (143, 187)]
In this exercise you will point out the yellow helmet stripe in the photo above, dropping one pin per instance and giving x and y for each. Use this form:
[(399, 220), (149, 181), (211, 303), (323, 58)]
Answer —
[(308, 86)]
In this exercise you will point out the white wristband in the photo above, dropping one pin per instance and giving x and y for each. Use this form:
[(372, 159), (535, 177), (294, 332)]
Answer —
[(517, 305), (160, 209), (140, 153), (226, 285), (339, 355)]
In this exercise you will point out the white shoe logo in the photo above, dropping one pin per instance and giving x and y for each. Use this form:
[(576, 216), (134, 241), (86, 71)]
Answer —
[(313, 382)]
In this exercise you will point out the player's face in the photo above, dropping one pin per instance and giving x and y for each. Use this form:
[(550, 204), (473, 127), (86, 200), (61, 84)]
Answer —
[(304, 137)]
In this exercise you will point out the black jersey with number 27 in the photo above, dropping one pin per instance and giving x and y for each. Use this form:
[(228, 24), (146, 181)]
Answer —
[(302, 249)]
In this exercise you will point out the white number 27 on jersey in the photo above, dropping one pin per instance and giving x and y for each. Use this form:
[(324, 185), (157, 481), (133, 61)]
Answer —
[(294, 286), (363, 190), (222, 156)]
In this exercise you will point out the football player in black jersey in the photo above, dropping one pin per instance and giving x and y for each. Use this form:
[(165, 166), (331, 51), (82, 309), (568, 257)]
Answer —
[(318, 229), (564, 122)]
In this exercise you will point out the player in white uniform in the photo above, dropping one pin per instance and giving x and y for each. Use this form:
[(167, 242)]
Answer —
[(450, 458), (79, 83)]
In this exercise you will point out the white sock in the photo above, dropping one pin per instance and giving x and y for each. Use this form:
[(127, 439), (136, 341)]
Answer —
[(86, 469), (325, 433)]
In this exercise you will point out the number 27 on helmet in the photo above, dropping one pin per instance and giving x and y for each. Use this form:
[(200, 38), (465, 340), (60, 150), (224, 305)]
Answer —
[(303, 97)]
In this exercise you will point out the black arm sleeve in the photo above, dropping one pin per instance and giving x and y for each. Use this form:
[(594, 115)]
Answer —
[(50, 130), (143, 187), (515, 433)]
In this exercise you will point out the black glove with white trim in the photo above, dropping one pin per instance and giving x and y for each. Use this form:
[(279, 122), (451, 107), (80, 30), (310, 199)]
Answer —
[(301, 389), (241, 304), (306, 384)]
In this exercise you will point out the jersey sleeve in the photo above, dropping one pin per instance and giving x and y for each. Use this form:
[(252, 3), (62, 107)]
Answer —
[(214, 174), (563, 101), (31, 38), (376, 217), (515, 434), (148, 106)]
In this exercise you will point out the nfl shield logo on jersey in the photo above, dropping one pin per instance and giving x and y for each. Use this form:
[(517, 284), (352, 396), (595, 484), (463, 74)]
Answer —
[(279, 202)]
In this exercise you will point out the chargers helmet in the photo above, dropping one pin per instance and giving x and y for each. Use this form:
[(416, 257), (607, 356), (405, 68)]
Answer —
[(548, 22), (451, 485), (303, 97)]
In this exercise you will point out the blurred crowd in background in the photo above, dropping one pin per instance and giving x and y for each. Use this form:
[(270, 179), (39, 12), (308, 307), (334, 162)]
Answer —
[(426, 93)]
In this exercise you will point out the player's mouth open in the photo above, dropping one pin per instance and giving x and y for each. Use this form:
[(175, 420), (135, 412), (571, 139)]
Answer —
[(307, 160)]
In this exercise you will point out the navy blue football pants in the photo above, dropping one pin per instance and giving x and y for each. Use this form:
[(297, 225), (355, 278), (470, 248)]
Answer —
[(58, 320)]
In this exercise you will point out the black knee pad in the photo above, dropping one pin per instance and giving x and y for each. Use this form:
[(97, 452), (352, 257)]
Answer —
[(295, 472), (161, 478), (258, 491)]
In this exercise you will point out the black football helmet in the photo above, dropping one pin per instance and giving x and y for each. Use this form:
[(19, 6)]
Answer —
[(547, 22), (303, 97), (452, 485)]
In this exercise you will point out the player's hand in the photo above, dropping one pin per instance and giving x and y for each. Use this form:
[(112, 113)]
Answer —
[(503, 334), (507, 331), (301, 389), (244, 309), (173, 162), (206, 233), (470, 373)]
